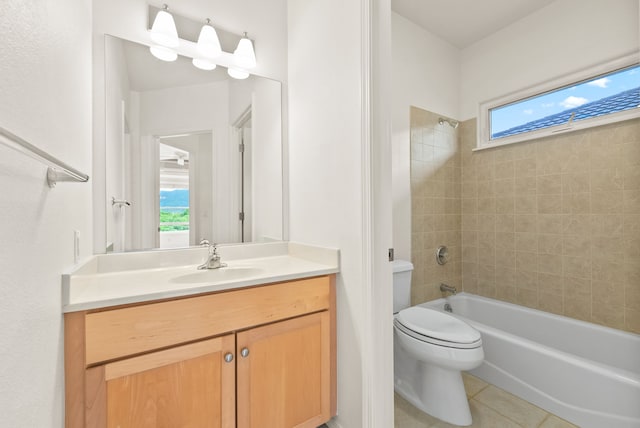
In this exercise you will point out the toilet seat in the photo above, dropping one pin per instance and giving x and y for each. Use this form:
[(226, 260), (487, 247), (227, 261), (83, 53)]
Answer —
[(438, 328)]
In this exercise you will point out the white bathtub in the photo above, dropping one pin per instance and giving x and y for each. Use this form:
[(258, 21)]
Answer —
[(582, 372)]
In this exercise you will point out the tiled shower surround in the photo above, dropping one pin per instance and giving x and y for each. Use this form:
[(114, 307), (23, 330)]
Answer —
[(436, 215), (552, 224)]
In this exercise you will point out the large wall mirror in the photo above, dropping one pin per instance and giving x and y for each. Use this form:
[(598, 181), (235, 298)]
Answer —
[(190, 154)]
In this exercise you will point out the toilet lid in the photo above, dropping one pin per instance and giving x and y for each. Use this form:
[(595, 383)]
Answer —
[(436, 324)]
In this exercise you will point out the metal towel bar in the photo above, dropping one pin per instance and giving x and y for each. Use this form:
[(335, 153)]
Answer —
[(56, 166)]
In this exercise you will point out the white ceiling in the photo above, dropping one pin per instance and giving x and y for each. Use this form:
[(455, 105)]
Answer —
[(463, 22), (147, 73)]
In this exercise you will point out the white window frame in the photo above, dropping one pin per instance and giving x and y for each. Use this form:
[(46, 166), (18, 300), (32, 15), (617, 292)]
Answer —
[(484, 116)]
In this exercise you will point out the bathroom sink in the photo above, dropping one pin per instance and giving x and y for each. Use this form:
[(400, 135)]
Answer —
[(217, 275)]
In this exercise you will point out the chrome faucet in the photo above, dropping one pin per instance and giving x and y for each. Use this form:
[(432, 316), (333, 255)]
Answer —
[(213, 259), (448, 289)]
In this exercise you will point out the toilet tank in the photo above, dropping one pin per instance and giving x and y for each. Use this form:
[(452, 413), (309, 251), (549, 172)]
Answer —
[(401, 284)]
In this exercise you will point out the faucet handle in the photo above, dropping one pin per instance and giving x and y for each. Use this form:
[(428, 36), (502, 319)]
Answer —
[(204, 242)]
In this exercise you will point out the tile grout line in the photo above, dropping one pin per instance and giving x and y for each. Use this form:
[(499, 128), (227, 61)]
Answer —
[(544, 420), (513, 420), (547, 414), (498, 412), (480, 390)]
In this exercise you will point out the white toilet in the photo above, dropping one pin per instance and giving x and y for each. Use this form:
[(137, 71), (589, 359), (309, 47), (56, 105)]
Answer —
[(431, 348)]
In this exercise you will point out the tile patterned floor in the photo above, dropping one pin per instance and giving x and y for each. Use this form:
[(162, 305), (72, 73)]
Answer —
[(491, 407)]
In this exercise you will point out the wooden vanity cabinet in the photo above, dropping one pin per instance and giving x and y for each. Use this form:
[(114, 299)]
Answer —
[(256, 357), (280, 373), (186, 386)]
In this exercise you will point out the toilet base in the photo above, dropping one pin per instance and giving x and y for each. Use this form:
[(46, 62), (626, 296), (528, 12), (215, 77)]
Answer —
[(432, 389), (441, 395)]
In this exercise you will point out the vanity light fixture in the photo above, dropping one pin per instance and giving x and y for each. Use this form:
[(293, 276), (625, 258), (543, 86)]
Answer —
[(208, 47), (163, 30), (244, 55), (206, 53), (163, 53), (164, 34), (208, 42), (237, 73), (204, 64)]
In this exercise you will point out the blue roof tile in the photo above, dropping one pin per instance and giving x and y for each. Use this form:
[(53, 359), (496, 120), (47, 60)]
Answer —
[(618, 102)]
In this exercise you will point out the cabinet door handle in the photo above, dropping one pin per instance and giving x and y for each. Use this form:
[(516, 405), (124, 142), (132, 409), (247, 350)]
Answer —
[(228, 357), (244, 352)]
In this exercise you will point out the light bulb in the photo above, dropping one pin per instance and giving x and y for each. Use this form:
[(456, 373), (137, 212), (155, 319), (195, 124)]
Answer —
[(236, 73), (163, 53), (208, 43), (244, 55), (163, 30), (204, 64)]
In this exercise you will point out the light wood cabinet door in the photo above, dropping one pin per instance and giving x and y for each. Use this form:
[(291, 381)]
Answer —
[(283, 373), (190, 386)]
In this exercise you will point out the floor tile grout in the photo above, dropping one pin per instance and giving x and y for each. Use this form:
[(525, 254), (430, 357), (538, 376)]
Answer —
[(479, 391), (543, 421), (495, 409)]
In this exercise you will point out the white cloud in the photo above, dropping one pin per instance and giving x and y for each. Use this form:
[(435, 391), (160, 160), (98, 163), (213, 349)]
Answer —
[(600, 83), (528, 111), (547, 105), (571, 102)]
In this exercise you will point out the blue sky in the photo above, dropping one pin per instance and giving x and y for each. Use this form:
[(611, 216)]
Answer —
[(554, 102)]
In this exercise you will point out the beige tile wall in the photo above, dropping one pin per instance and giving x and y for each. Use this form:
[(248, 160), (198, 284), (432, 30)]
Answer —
[(554, 224), (436, 211)]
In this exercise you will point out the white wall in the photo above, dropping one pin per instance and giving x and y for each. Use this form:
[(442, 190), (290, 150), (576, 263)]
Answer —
[(201, 174), (266, 174), (45, 97), (118, 80), (339, 184), (425, 74), (263, 155), (185, 109), (564, 37), (325, 167)]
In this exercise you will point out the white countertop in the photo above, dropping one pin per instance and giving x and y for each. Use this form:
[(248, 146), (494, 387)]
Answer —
[(118, 279)]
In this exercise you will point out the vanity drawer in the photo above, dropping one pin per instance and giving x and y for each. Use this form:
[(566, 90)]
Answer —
[(118, 333)]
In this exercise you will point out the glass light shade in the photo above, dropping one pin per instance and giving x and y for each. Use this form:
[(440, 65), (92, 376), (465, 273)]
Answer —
[(163, 53), (163, 30), (236, 73), (244, 55), (204, 64), (208, 43)]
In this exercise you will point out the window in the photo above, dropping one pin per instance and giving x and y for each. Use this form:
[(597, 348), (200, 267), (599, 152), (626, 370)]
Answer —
[(598, 96)]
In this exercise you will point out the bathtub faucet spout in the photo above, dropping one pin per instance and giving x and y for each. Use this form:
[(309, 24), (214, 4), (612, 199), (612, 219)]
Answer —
[(448, 289)]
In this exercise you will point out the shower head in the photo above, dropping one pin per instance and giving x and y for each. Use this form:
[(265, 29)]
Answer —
[(452, 123)]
